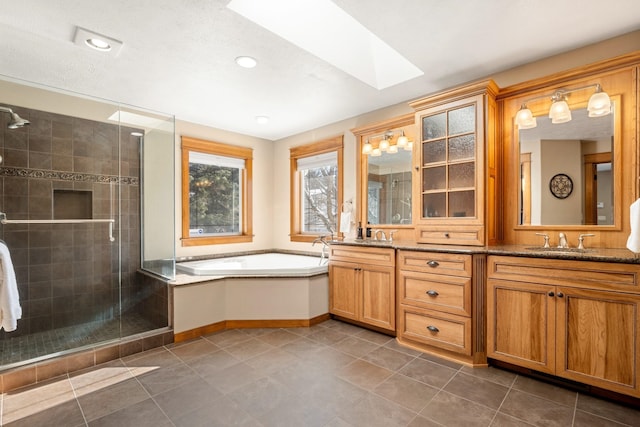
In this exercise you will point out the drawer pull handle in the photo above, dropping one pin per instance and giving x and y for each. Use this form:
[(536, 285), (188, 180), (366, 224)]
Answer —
[(432, 293), (433, 328), (446, 235), (550, 293), (433, 264), (560, 294)]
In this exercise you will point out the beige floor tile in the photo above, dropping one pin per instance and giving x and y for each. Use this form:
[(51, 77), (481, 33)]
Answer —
[(430, 373), (478, 390), (610, 410), (186, 398), (220, 412), (226, 338), (387, 358), (365, 374), (213, 362), (166, 378), (406, 392), (248, 349), (545, 390), (536, 410), (450, 410), (195, 349), (111, 398), (278, 337), (30, 400), (355, 346), (261, 396), (272, 360), (232, 378), (66, 414), (374, 411), (141, 414)]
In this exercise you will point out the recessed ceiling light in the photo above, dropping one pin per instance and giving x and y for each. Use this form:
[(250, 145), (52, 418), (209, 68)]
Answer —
[(246, 61), (99, 42), (137, 134), (262, 119)]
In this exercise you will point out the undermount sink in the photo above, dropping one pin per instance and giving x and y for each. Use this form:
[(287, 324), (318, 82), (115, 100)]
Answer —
[(560, 250)]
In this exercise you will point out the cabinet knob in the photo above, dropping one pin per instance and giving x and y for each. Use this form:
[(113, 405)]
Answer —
[(433, 328), (446, 235), (551, 293), (433, 264), (560, 294), (432, 293)]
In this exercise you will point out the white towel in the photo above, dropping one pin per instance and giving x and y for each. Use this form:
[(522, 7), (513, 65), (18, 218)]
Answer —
[(10, 310), (633, 242), (345, 222)]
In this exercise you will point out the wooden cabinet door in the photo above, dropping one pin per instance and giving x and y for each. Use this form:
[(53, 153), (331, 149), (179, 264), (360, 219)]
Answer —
[(378, 296), (521, 324), (344, 289), (598, 338)]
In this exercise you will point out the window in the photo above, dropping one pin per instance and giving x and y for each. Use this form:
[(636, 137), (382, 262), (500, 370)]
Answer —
[(216, 193), (316, 189)]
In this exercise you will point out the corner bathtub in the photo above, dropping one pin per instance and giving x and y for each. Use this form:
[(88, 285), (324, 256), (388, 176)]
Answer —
[(262, 290), (267, 264)]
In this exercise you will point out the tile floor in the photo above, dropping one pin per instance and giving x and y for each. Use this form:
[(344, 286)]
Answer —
[(332, 374)]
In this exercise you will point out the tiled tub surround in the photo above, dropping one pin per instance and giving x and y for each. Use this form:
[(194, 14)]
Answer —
[(71, 274)]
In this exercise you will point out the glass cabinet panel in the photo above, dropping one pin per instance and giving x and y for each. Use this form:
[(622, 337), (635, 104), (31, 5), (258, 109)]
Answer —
[(449, 139), (434, 126)]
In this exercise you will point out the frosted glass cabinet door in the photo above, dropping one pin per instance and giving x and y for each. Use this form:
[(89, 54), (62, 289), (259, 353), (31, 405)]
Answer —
[(452, 168)]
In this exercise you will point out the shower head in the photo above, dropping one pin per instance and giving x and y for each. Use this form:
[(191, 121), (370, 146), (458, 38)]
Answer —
[(16, 121)]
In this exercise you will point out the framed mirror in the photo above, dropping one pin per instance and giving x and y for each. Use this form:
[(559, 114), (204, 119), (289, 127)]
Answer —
[(385, 177), (568, 171), (389, 188)]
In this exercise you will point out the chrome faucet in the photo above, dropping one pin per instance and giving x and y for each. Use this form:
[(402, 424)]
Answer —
[(562, 241), (581, 240), (324, 254), (375, 235)]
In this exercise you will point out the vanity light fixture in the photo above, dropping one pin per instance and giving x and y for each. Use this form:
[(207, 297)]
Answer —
[(387, 144), (559, 112), (367, 147)]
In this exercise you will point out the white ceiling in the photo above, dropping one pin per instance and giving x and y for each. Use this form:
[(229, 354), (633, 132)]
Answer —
[(178, 55)]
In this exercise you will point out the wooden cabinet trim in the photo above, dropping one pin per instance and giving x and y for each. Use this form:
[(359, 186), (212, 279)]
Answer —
[(365, 254), (584, 274)]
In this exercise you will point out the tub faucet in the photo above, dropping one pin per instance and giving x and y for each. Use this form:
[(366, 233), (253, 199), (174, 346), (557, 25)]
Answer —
[(324, 254), (562, 241), (375, 235)]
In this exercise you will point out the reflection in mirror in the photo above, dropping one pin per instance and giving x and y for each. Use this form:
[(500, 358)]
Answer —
[(580, 149), (389, 188)]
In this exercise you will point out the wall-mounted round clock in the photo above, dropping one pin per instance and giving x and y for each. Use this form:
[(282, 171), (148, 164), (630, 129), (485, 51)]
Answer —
[(561, 186)]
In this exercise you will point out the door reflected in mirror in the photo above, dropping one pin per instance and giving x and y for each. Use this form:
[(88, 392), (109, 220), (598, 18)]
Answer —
[(389, 188), (566, 171)]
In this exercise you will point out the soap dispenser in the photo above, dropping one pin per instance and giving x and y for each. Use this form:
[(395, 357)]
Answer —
[(359, 236)]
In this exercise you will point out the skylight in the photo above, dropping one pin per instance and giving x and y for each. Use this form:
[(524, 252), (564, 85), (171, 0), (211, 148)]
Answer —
[(328, 32)]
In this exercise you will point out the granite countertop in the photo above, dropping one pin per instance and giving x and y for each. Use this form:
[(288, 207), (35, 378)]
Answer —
[(620, 255)]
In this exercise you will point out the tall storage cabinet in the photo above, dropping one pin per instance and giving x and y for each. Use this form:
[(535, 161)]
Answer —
[(455, 168)]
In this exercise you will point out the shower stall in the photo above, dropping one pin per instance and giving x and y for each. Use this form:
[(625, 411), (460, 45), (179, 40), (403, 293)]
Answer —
[(87, 213)]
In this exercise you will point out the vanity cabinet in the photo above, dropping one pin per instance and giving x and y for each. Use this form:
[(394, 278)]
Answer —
[(456, 168), (362, 285), (438, 309), (574, 319)]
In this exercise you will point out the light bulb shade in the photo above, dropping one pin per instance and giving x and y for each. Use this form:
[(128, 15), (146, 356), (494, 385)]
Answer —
[(392, 149), (560, 112), (599, 104), (409, 146), (384, 145), (402, 141), (376, 152), (525, 119), (367, 148)]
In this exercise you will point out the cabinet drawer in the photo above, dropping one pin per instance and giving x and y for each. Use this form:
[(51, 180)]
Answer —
[(449, 235), (361, 254), (584, 274), (435, 262), (450, 294), (441, 330)]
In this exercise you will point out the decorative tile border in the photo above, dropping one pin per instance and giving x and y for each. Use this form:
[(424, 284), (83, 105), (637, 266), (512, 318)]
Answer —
[(68, 176)]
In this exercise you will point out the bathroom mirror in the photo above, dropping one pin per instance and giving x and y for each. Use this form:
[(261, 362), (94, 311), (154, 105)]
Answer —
[(389, 188), (567, 171)]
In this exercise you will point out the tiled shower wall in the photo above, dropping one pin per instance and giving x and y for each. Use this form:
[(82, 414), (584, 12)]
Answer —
[(69, 274)]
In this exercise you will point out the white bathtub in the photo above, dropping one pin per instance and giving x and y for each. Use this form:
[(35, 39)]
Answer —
[(267, 264)]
